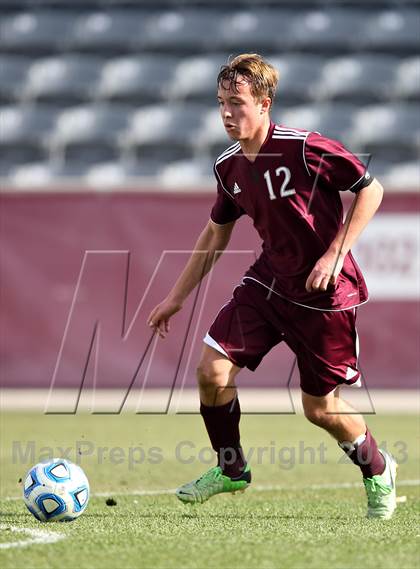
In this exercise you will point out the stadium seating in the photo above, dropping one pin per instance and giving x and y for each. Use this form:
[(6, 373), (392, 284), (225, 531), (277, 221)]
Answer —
[(326, 30), (88, 134), (392, 30), (299, 75), (404, 174), (13, 70), (254, 30), (361, 79), (100, 31), (24, 134), (66, 80), (407, 80), (46, 173), (36, 32), (389, 131), (98, 88), (177, 175), (181, 31), (334, 121), (141, 80), (195, 78), (163, 132), (185, 173)]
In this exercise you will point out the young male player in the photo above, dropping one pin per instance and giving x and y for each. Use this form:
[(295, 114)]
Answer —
[(303, 289)]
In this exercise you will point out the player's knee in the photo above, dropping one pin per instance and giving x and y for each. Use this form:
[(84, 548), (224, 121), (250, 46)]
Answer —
[(318, 416), (207, 376)]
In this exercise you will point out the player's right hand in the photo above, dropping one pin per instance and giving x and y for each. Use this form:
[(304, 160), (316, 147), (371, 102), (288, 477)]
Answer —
[(161, 314)]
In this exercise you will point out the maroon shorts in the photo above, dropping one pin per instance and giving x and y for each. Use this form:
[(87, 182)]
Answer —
[(325, 343)]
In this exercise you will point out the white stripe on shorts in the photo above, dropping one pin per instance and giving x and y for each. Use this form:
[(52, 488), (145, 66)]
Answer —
[(213, 344)]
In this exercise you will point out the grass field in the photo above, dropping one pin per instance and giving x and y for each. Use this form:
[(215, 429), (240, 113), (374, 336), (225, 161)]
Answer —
[(304, 508)]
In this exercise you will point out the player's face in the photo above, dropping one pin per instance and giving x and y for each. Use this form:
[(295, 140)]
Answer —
[(241, 114)]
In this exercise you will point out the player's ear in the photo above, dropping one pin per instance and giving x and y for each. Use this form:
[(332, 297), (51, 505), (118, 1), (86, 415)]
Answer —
[(265, 105)]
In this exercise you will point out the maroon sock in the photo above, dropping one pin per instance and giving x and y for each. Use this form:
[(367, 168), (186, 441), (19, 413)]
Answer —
[(366, 455), (222, 424)]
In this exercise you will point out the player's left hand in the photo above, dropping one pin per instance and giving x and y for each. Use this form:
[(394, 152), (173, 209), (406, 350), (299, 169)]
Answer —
[(325, 272)]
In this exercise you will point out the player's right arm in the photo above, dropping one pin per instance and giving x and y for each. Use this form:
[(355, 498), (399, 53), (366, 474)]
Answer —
[(211, 243)]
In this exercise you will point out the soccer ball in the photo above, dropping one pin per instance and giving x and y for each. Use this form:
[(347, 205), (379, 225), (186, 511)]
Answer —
[(57, 490)]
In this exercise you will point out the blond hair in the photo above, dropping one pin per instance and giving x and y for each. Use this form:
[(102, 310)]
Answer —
[(261, 75)]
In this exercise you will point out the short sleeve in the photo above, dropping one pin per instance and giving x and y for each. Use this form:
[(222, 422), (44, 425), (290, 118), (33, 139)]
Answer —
[(225, 210), (336, 167)]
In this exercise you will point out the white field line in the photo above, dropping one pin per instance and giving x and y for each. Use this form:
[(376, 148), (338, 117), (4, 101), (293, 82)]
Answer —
[(35, 537), (43, 537), (271, 488)]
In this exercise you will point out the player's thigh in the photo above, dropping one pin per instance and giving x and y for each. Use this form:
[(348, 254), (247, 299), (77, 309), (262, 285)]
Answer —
[(244, 330), (325, 344), (215, 369)]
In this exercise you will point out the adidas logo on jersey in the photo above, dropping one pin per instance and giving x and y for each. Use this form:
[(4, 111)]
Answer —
[(236, 189)]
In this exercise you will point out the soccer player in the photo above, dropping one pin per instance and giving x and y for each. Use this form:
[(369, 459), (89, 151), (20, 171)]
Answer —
[(303, 289)]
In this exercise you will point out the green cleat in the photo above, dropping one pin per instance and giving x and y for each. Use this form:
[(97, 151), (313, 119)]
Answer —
[(211, 483), (381, 492)]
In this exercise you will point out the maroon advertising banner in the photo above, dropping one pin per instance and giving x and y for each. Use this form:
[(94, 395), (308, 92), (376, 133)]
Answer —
[(80, 273)]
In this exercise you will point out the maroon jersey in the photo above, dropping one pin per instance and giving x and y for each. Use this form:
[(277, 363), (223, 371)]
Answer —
[(291, 192)]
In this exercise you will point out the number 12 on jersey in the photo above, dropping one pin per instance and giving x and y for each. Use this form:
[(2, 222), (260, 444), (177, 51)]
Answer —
[(284, 192)]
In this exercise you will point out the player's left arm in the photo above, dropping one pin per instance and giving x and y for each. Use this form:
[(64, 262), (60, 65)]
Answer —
[(363, 208)]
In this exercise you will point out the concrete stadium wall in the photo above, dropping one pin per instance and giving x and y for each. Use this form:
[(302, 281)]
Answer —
[(80, 272)]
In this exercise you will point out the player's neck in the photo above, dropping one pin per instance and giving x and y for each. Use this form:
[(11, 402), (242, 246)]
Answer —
[(251, 146)]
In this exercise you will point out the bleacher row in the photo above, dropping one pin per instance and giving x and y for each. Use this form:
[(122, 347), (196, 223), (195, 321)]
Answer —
[(141, 79), (116, 94), (201, 29)]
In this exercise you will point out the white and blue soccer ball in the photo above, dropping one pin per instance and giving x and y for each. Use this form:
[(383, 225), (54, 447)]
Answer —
[(57, 490)]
